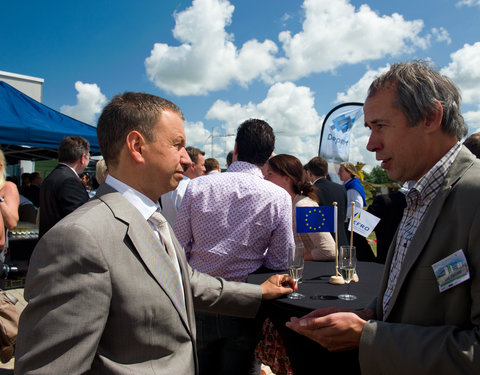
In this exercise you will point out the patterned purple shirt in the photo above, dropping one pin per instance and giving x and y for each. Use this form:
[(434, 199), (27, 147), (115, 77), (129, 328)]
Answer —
[(232, 223)]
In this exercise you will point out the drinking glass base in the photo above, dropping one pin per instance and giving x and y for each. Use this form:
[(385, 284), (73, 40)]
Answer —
[(295, 295), (347, 297)]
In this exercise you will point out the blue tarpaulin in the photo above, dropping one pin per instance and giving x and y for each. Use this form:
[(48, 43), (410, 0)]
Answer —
[(26, 122)]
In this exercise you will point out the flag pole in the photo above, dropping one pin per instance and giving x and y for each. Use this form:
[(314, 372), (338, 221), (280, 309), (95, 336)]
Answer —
[(337, 278)]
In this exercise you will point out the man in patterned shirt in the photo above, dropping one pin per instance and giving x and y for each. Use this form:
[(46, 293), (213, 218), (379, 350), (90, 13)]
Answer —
[(231, 224), (426, 318)]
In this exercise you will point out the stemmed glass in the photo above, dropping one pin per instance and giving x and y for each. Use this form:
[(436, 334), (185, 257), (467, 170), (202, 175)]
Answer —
[(346, 264), (295, 266)]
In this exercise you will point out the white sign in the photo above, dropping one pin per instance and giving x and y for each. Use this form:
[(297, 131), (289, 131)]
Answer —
[(363, 222)]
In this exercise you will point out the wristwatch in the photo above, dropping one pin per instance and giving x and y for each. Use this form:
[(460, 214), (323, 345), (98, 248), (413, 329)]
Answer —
[(2, 199)]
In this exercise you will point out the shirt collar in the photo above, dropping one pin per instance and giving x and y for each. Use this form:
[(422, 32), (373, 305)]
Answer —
[(245, 167), (429, 185), (74, 171), (140, 201)]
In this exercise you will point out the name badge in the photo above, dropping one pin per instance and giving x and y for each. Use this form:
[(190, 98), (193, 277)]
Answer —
[(451, 270)]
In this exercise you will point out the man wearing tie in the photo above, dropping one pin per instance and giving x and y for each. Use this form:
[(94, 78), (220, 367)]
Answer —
[(109, 289)]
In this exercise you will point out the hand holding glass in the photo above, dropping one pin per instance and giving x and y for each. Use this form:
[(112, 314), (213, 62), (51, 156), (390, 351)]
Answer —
[(347, 261), (295, 263)]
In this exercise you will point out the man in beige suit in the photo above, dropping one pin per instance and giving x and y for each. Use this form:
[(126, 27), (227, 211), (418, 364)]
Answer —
[(109, 290), (426, 319)]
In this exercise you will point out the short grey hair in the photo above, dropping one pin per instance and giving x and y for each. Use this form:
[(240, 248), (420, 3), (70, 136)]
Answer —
[(419, 89)]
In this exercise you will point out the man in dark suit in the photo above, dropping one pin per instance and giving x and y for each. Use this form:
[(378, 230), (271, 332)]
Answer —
[(109, 288), (62, 192), (329, 192)]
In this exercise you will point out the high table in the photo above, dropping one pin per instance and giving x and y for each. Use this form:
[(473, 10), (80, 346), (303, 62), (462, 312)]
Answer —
[(306, 356)]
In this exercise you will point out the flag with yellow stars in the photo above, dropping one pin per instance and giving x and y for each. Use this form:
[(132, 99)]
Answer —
[(315, 219)]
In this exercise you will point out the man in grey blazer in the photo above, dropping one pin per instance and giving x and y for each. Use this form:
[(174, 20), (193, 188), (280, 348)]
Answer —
[(426, 319), (105, 295)]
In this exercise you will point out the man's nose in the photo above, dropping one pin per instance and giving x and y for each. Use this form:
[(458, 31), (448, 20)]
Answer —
[(373, 143)]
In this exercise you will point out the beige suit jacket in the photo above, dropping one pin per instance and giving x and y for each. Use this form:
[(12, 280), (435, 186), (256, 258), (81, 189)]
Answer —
[(425, 331), (100, 303)]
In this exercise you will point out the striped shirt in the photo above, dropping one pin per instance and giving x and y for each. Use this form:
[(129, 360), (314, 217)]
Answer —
[(419, 199)]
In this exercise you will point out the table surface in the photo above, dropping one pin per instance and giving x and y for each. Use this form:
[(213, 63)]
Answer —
[(304, 354), (320, 293)]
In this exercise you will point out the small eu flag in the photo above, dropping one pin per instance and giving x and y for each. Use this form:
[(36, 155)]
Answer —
[(315, 219)]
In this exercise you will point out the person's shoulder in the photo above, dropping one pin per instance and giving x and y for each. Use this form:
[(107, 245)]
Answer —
[(332, 185), (10, 186), (304, 201), (91, 215)]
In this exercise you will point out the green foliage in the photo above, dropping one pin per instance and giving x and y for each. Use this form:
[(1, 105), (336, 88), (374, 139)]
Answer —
[(378, 175)]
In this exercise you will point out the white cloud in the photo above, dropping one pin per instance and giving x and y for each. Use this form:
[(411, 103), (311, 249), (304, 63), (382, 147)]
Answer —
[(288, 108), (90, 102), (464, 70), (441, 35), (469, 3), (207, 59), (358, 91), (335, 33), (196, 134), (472, 118)]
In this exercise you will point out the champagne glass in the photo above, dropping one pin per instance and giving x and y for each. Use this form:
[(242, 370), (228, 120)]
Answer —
[(346, 264), (295, 266)]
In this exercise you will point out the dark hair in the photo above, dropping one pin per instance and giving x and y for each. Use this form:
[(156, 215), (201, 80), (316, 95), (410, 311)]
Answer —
[(419, 89), (211, 164), (229, 158), (193, 152), (89, 180), (255, 141), (473, 144), (128, 112), (318, 166), (72, 148), (290, 166)]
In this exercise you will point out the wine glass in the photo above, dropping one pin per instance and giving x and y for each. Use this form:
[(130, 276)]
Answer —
[(295, 266), (346, 264)]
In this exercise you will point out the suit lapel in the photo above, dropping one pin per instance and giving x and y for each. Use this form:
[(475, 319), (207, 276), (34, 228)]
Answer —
[(424, 231), (149, 248)]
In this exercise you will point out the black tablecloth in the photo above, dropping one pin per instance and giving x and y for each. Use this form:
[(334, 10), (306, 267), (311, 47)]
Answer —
[(306, 356)]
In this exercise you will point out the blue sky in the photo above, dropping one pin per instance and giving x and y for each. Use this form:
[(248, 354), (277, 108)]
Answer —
[(222, 62)]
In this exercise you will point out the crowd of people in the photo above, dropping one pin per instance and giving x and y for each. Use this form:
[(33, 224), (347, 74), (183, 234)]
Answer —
[(147, 274)]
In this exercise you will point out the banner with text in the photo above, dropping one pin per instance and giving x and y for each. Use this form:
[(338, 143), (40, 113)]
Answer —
[(336, 130)]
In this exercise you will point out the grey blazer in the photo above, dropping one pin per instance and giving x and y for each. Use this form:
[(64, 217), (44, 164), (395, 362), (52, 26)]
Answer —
[(99, 301), (425, 331)]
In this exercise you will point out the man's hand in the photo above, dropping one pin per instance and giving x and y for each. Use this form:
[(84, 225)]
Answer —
[(336, 332), (276, 286)]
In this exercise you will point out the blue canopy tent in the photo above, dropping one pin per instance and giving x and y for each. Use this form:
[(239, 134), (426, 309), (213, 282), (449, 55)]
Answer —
[(30, 130)]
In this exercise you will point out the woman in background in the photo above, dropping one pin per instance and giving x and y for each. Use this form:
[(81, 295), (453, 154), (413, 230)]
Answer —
[(287, 172), (355, 191), (9, 202)]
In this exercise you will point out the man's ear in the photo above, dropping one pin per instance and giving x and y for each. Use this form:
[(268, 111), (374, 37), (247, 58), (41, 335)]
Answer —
[(135, 143), (433, 121), (235, 153)]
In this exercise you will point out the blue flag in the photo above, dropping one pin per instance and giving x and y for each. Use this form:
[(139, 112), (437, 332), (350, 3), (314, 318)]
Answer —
[(315, 219)]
